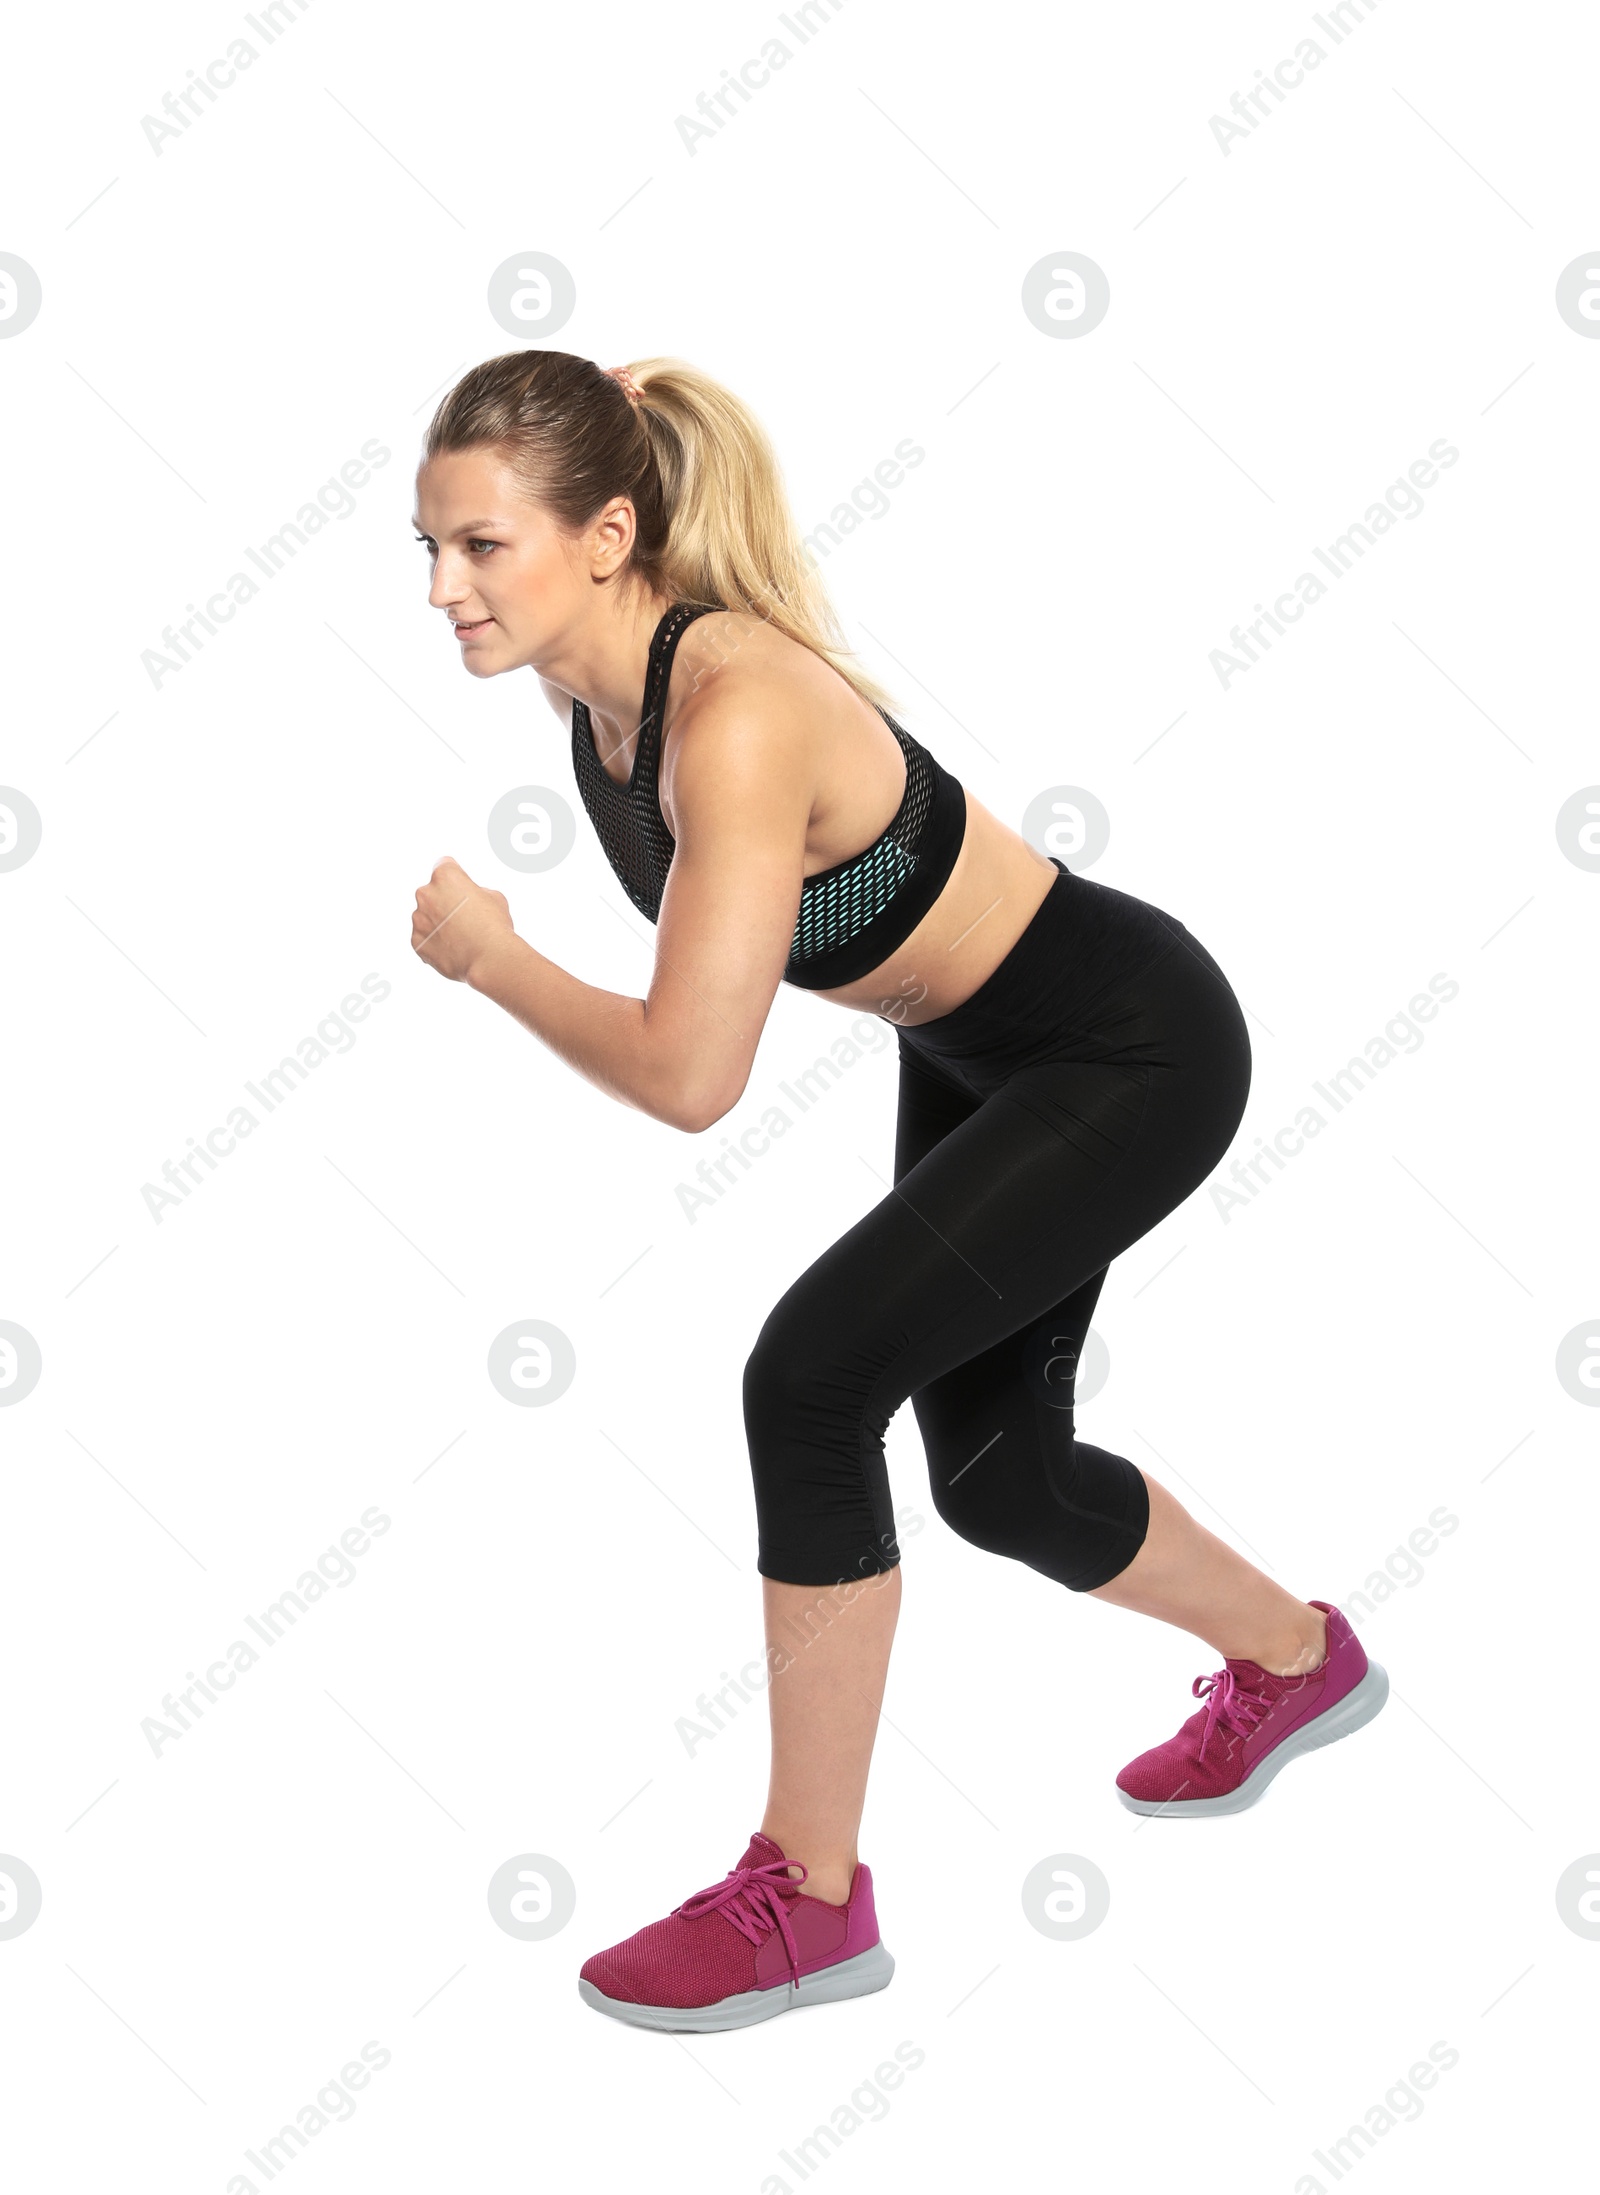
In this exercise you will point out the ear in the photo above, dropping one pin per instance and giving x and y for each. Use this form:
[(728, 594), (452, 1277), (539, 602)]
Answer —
[(611, 537)]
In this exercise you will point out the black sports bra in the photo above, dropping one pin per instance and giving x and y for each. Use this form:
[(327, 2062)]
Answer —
[(852, 916)]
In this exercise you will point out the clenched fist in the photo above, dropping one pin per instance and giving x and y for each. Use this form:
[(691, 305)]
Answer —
[(457, 923)]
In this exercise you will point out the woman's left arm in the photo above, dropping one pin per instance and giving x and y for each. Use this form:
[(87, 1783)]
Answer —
[(741, 800)]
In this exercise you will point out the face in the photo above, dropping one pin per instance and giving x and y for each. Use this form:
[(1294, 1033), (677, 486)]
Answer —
[(505, 574)]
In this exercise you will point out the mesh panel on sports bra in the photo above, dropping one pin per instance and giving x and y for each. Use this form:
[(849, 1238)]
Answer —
[(852, 916)]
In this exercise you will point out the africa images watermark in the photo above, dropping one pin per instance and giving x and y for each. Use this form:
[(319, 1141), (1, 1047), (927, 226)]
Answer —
[(333, 1033), (1250, 1175), (717, 108), (757, 1674), (715, 1175), (1404, 1566), (1402, 499), (1401, 2105), (1252, 107), (333, 2101), (869, 498), (867, 2103), (183, 108), (180, 642), (333, 1569)]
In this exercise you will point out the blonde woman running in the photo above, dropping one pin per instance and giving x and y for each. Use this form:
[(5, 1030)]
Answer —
[(1072, 1063)]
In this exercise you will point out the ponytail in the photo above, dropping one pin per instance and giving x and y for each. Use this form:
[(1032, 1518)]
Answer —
[(714, 523)]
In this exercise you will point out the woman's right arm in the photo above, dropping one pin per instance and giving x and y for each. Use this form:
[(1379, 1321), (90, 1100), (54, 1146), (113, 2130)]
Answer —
[(737, 781)]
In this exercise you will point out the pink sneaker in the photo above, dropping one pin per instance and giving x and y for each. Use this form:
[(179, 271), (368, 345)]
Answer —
[(744, 1950), (1253, 1723)]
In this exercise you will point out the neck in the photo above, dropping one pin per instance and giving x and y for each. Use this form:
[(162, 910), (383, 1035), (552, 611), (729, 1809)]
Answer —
[(604, 661)]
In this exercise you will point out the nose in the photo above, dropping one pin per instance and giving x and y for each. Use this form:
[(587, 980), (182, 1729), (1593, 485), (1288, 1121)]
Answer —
[(448, 588)]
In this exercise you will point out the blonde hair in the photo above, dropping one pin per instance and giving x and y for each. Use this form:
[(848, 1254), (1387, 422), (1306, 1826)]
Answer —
[(714, 523)]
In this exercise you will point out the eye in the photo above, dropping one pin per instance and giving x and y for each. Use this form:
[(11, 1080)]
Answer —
[(488, 545), (425, 539)]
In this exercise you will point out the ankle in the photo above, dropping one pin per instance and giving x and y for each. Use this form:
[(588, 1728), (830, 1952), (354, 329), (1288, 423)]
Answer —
[(1308, 1650), (831, 1885), (828, 1875)]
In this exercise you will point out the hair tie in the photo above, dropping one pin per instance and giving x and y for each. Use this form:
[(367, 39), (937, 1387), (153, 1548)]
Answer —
[(630, 388)]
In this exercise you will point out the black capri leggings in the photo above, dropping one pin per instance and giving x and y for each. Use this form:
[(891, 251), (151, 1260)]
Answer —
[(1081, 1093)]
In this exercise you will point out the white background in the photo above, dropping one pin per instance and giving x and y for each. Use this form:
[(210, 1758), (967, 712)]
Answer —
[(225, 322)]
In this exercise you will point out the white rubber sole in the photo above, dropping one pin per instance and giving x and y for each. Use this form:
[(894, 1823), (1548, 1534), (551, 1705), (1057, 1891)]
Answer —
[(857, 1977), (1357, 1707)]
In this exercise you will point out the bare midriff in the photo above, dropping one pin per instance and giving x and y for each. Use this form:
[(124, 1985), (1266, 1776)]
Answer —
[(992, 894)]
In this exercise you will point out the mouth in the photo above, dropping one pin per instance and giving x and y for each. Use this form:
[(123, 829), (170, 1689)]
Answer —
[(472, 628)]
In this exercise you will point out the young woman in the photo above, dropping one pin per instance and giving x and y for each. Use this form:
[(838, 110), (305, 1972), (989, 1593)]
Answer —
[(1073, 1063)]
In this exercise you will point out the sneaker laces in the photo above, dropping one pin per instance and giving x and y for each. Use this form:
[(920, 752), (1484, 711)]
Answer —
[(756, 1900), (1228, 1706)]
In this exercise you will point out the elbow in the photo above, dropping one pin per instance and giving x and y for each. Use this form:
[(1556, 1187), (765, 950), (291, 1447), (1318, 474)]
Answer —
[(695, 1117), (691, 1088), (695, 1107)]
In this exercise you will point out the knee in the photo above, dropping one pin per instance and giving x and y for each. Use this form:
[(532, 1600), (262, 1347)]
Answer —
[(971, 1478), (1063, 1507), (974, 1508), (773, 1374), (1104, 1505), (805, 1377), (816, 1456), (777, 1392)]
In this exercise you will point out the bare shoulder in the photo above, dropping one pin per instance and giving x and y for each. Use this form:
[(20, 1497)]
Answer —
[(737, 651), (735, 668), (744, 702)]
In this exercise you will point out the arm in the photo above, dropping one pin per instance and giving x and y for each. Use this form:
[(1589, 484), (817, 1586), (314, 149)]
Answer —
[(740, 800)]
